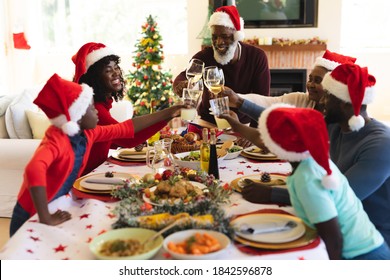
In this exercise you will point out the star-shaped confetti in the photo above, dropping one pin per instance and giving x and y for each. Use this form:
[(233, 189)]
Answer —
[(60, 248), (84, 216)]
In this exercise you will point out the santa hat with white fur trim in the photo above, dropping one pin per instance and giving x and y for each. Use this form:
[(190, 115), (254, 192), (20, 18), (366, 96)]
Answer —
[(330, 60), (352, 84), (295, 134), (64, 103), (228, 16), (87, 55)]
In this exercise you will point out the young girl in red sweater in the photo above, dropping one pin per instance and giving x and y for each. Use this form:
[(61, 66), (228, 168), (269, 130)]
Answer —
[(62, 155)]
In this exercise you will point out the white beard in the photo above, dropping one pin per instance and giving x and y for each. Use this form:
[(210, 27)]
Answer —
[(228, 56)]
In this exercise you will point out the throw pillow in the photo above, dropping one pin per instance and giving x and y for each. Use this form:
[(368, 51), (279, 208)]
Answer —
[(15, 116), (39, 123)]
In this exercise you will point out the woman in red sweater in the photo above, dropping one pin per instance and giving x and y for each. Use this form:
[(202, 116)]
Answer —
[(98, 67)]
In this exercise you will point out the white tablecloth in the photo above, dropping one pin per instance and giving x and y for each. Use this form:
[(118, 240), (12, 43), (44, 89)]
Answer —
[(91, 217)]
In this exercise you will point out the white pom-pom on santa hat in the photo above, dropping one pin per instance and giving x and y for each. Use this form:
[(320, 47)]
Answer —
[(70, 128), (356, 122), (288, 133), (228, 16)]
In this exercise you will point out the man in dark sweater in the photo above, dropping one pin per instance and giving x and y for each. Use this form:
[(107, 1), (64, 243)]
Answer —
[(245, 67)]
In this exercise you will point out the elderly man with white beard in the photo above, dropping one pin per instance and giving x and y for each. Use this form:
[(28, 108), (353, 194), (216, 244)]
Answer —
[(245, 67)]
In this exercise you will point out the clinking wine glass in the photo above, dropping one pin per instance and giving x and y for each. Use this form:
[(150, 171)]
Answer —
[(194, 70), (215, 80)]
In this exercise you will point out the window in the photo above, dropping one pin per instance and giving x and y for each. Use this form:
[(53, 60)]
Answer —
[(364, 25), (68, 24)]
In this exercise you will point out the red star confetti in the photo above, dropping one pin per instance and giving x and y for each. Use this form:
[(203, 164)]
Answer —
[(102, 231), (167, 255), (111, 216), (60, 248), (240, 173), (256, 170), (89, 239), (30, 251), (223, 167), (85, 216), (35, 238), (301, 258), (242, 162), (88, 226), (249, 166), (33, 221), (30, 230)]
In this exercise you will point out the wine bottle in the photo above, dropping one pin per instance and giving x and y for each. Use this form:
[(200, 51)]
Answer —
[(213, 164), (205, 151)]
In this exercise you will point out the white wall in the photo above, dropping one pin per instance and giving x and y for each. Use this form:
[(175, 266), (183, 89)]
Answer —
[(329, 21)]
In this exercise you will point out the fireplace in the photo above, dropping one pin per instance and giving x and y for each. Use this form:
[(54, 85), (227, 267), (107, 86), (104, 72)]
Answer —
[(287, 80)]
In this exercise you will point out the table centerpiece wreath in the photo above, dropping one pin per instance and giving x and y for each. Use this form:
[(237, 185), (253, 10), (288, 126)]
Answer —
[(202, 213)]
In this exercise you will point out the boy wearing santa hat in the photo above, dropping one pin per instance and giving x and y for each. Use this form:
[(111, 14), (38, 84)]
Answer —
[(98, 66), (319, 192), (245, 67), (360, 145), (62, 155)]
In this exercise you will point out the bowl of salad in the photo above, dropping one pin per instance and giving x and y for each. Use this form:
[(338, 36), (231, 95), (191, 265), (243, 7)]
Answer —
[(233, 152), (191, 159)]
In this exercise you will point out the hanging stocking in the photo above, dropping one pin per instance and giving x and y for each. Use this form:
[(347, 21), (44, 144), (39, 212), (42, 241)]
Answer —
[(20, 41)]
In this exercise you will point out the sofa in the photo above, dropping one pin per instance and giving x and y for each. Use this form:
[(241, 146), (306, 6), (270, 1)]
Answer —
[(22, 126)]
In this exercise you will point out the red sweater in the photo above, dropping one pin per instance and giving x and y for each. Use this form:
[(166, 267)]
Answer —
[(53, 160), (100, 150)]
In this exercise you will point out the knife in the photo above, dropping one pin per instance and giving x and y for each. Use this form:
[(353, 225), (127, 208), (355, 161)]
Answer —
[(267, 228), (106, 181)]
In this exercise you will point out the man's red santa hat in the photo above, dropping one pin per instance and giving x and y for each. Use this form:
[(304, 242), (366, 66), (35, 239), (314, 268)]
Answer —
[(352, 84), (64, 103), (330, 60), (295, 134), (228, 16), (88, 55)]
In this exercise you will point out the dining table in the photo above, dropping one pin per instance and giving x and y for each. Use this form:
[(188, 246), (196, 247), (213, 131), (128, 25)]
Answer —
[(92, 217)]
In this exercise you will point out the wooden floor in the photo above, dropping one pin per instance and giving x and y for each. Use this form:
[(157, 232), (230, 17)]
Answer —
[(4, 231)]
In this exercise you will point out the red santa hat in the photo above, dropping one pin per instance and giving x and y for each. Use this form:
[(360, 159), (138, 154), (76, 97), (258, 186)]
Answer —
[(295, 134), (87, 55), (352, 84), (330, 60), (228, 16), (64, 103)]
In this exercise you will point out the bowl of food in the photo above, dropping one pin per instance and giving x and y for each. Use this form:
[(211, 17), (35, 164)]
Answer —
[(192, 159), (196, 244), (125, 244), (233, 152)]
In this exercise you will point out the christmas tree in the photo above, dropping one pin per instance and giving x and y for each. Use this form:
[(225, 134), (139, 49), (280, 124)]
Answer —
[(149, 88)]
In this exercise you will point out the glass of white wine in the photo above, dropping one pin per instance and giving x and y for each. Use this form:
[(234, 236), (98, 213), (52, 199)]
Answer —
[(215, 80), (194, 70)]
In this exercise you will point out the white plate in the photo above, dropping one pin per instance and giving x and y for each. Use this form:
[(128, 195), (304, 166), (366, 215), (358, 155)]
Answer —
[(133, 155), (191, 164), (226, 137), (147, 199), (254, 220), (180, 236), (257, 177), (254, 151), (102, 187)]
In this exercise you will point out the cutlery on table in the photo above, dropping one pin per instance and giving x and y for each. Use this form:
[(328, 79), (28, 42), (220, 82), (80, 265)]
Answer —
[(267, 228), (106, 181)]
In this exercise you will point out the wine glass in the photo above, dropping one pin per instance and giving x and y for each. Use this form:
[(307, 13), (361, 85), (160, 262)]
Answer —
[(215, 80), (194, 70)]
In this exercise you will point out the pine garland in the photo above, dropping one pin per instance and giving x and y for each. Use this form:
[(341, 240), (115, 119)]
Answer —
[(132, 206)]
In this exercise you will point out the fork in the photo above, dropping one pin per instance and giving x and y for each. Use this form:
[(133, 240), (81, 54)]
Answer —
[(245, 229)]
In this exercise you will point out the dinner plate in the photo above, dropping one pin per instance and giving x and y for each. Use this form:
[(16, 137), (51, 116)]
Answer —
[(152, 189), (129, 155), (238, 184), (99, 187), (226, 137), (271, 220), (256, 152)]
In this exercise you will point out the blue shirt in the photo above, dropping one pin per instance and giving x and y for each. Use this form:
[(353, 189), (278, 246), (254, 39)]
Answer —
[(314, 204)]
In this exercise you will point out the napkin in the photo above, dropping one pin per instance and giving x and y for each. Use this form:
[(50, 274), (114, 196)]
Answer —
[(106, 181), (129, 152)]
